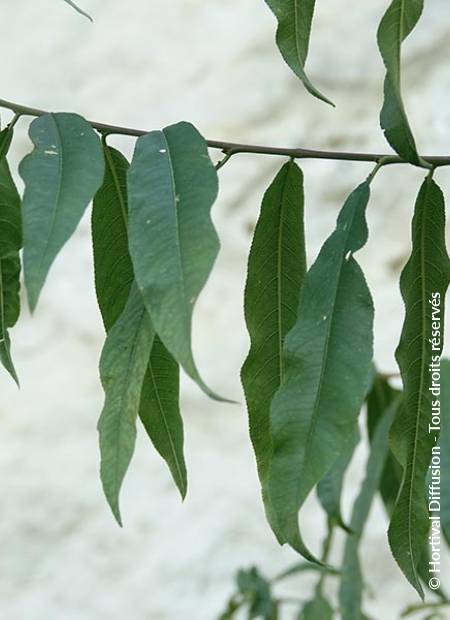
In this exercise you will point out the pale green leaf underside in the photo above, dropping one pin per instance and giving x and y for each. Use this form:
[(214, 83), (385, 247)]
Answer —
[(159, 408), (327, 374), (172, 185), (351, 587), (276, 267), (397, 23), (10, 244), (61, 177), (123, 366), (426, 273), (293, 35)]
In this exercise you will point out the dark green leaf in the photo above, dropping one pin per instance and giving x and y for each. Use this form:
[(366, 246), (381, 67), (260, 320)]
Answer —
[(61, 177), (425, 277), (160, 412), (123, 366), (381, 396), (276, 268), (255, 589), (398, 21), (350, 593), (317, 609), (445, 448), (6, 136), (327, 373), (329, 489), (172, 185), (159, 408), (78, 9), (10, 244), (293, 34), (303, 567)]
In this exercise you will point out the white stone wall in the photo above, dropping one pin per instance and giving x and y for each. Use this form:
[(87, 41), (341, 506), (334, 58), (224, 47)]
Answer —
[(147, 64)]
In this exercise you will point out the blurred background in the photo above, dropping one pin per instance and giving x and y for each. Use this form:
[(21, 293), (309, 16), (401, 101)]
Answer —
[(148, 64)]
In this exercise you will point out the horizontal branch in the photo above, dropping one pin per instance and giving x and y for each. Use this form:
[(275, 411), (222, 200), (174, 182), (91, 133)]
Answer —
[(232, 148)]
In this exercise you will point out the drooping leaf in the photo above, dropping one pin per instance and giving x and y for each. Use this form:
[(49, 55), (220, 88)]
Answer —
[(445, 448), (276, 268), (397, 23), (329, 489), (123, 366), (381, 396), (327, 373), (10, 244), (160, 412), (351, 587), (159, 408), (172, 185), (78, 9), (61, 177), (317, 609), (293, 35), (425, 278), (304, 567)]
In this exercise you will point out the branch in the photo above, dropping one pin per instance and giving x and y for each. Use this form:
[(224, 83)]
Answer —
[(232, 148)]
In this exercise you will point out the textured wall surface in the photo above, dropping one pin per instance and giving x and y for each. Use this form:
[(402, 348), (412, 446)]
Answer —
[(147, 64)]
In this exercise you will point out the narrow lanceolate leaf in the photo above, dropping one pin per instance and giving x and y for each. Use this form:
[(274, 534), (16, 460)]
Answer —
[(123, 366), (159, 407), (172, 185), (423, 284), (398, 21), (78, 9), (317, 609), (61, 177), (276, 268), (381, 396), (293, 34), (329, 489), (10, 244), (351, 588), (327, 373), (445, 448)]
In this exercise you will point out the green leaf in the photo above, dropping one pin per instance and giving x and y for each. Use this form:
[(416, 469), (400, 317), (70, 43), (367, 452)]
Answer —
[(10, 244), (123, 366), (160, 412), (276, 268), (445, 448), (78, 9), (6, 136), (425, 276), (317, 609), (304, 567), (327, 373), (381, 396), (159, 408), (329, 489), (397, 23), (172, 185), (293, 35), (256, 590), (61, 177), (351, 588)]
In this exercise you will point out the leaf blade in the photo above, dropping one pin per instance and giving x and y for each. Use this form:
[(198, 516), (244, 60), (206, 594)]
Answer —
[(270, 304), (114, 278), (172, 185), (61, 177), (79, 10), (397, 23), (293, 34), (427, 272), (123, 365), (312, 413)]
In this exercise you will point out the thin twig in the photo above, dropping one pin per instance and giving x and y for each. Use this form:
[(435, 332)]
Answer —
[(232, 148)]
